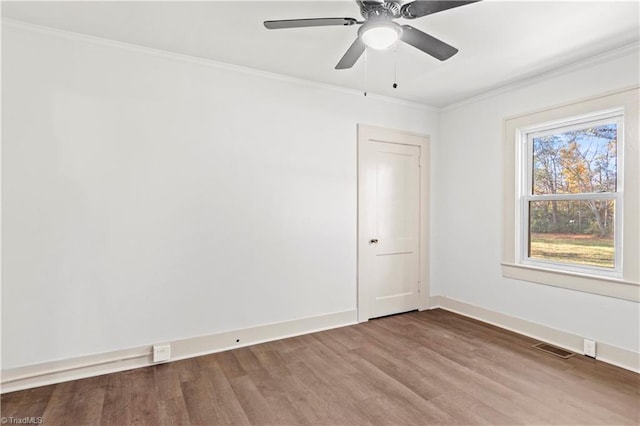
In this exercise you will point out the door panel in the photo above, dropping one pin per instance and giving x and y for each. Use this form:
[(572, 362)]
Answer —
[(389, 225), (397, 213)]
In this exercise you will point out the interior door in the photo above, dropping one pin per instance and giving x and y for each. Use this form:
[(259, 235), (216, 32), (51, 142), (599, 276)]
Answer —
[(389, 240)]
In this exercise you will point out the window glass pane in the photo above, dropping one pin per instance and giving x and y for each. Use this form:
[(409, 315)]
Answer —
[(576, 161), (575, 232)]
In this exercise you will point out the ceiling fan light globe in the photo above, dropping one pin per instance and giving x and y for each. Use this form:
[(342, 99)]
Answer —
[(380, 36)]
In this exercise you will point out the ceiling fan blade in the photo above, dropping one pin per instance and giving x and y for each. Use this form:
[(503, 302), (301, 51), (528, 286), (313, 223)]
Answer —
[(314, 22), (352, 55), (428, 44), (420, 8)]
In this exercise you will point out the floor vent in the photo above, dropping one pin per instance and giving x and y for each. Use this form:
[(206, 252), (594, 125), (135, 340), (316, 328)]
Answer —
[(553, 350)]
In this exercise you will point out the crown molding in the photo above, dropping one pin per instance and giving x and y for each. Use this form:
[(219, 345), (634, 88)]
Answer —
[(55, 32), (519, 83), (622, 51)]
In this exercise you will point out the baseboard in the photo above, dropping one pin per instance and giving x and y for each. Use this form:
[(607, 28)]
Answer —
[(88, 366), (95, 365), (610, 354), (435, 302)]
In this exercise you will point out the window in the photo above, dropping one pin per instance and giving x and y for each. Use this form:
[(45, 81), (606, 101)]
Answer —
[(572, 196), (570, 192)]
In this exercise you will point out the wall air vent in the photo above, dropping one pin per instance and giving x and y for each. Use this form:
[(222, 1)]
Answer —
[(553, 350)]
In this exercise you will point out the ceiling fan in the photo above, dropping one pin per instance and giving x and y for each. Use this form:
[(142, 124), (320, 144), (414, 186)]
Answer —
[(379, 31)]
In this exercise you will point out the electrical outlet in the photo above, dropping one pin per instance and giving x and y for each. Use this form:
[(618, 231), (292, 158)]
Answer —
[(161, 353), (589, 348)]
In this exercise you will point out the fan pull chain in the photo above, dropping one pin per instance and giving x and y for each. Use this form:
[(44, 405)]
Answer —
[(395, 65), (366, 71)]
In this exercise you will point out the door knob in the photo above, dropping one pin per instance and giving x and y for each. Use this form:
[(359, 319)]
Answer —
[(373, 241)]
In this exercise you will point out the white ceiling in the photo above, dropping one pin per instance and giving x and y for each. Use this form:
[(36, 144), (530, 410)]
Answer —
[(500, 42)]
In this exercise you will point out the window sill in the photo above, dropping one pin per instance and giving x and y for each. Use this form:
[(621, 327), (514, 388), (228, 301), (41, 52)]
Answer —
[(605, 286)]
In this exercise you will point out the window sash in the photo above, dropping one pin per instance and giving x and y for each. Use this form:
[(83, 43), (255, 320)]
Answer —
[(577, 124), (525, 259), (598, 119)]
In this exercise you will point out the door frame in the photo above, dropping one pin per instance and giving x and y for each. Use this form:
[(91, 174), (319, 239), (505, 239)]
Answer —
[(381, 134)]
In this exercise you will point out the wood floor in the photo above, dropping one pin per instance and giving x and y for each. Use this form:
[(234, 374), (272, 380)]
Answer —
[(419, 368)]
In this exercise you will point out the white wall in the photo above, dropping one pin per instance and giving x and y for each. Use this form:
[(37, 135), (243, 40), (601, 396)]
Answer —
[(466, 240), (148, 199)]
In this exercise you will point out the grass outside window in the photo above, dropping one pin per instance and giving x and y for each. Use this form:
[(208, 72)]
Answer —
[(571, 248)]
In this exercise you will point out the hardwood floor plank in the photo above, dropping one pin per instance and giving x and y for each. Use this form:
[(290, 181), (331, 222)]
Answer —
[(269, 358), (562, 386), (464, 408), (28, 403), (404, 372), (76, 403), (199, 400), (413, 408), (116, 407), (171, 404), (230, 365), (494, 393), (275, 389), (254, 405), (432, 367), (246, 359), (143, 399), (330, 402), (225, 399)]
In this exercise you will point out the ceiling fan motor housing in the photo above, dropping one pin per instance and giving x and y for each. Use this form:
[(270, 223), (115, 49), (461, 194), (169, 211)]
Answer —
[(374, 9)]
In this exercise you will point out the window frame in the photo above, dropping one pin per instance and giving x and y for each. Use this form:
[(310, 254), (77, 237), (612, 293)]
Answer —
[(524, 172), (622, 284)]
